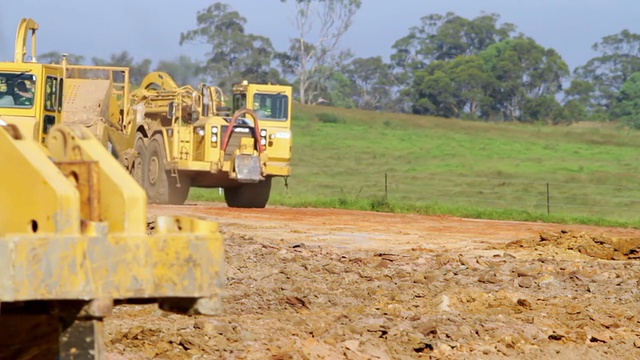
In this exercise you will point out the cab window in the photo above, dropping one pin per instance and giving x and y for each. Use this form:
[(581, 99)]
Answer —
[(271, 106), (50, 95), (17, 90), (239, 102)]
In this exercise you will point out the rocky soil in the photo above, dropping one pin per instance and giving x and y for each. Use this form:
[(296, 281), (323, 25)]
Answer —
[(326, 284)]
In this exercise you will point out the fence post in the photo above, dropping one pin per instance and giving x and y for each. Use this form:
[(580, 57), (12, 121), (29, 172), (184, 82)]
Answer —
[(385, 187), (548, 207)]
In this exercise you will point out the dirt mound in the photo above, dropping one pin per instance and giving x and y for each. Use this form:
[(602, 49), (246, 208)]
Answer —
[(304, 301), (336, 284), (597, 246)]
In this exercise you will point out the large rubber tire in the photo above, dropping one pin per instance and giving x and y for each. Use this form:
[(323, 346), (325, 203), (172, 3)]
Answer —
[(248, 195), (156, 180), (137, 168), (178, 195)]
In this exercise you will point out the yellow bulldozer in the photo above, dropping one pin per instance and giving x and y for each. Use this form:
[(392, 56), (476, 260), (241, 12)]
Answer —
[(73, 223), (187, 137)]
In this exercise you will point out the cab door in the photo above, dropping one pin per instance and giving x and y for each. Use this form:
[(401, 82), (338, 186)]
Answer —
[(51, 102)]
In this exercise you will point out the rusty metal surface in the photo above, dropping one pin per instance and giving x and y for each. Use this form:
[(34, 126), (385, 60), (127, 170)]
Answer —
[(37, 197), (118, 266), (247, 168), (86, 101), (84, 174), (122, 200), (77, 257)]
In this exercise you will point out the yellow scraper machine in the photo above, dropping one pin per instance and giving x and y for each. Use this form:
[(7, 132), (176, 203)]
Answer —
[(186, 137), (73, 228)]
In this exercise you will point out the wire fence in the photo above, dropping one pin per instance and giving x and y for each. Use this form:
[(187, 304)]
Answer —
[(557, 198)]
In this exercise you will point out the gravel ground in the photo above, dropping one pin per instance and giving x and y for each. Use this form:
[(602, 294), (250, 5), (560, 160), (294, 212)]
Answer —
[(329, 284)]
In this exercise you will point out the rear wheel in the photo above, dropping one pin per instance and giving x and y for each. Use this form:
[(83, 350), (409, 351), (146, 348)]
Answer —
[(137, 170), (248, 195), (156, 182)]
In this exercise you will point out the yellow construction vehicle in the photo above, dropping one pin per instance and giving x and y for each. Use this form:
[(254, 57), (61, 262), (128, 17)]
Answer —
[(187, 137), (168, 137), (36, 96), (73, 226)]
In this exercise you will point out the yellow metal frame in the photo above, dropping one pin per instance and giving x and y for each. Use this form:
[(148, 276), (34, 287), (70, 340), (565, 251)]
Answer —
[(49, 251), (73, 224), (184, 150), (24, 27), (279, 134), (31, 120)]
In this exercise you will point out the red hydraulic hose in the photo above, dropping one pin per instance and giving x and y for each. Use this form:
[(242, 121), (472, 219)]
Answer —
[(234, 118)]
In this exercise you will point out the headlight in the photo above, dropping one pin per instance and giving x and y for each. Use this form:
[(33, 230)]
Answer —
[(214, 129), (200, 131), (214, 138), (263, 137)]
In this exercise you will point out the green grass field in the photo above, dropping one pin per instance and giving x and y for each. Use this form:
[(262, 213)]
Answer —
[(463, 168)]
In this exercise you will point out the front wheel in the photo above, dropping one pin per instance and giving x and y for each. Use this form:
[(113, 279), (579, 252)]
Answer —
[(178, 194), (156, 181), (248, 195)]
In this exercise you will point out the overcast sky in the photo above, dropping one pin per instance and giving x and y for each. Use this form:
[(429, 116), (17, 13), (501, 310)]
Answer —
[(151, 28)]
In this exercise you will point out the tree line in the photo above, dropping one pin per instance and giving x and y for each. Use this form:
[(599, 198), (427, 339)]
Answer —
[(446, 65)]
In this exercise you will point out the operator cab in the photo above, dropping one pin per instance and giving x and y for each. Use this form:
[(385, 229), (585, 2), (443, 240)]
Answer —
[(272, 105), (267, 106), (30, 96), (17, 90), (30, 92), (269, 102)]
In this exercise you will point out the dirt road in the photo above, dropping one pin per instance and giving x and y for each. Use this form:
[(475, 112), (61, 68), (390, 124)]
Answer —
[(335, 284)]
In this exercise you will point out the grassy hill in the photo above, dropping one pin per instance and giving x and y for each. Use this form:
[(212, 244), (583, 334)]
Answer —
[(585, 173)]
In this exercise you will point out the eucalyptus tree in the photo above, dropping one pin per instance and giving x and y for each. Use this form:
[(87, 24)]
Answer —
[(627, 105), (372, 82), (579, 101), (320, 25), (55, 57), (456, 67), (520, 73), (340, 90), (233, 54), (445, 37), (183, 70), (330, 86), (449, 88), (431, 91), (137, 70), (618, 59), (469, 77)]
